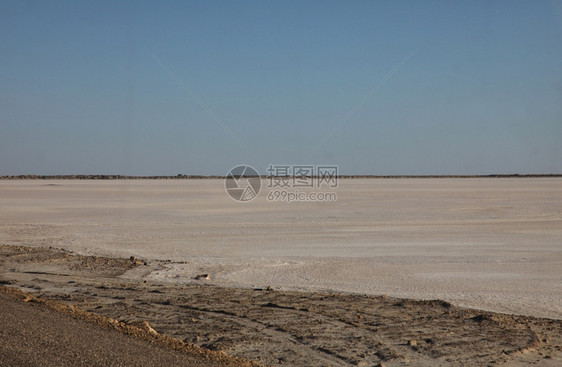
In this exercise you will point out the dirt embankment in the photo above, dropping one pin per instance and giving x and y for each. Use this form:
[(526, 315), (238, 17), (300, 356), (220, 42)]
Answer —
[(276, 327)]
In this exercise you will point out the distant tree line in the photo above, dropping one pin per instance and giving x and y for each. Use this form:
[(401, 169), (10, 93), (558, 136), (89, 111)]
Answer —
[(188, 177)]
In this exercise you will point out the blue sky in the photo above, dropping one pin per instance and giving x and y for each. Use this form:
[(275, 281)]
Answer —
[(480, 93)]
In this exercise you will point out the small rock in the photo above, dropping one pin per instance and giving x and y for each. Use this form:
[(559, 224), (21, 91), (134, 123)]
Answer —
[(202, 276), (269, 288), (382, 364), (146, 326), (412, 342), (136, 261), (142, 325)]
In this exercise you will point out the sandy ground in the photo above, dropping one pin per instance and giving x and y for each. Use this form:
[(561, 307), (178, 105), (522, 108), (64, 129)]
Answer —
[(266, 325), (34, 335), (492, 244)]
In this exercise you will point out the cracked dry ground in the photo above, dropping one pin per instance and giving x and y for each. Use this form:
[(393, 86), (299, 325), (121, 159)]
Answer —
[(285, 328)]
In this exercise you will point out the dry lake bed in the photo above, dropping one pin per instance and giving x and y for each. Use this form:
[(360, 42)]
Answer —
[(487, 243)]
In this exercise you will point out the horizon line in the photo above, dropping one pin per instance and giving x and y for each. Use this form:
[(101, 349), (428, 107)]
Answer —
[(195, 177)]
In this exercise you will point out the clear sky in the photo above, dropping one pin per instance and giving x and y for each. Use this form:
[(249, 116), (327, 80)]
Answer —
[(416, 87)]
